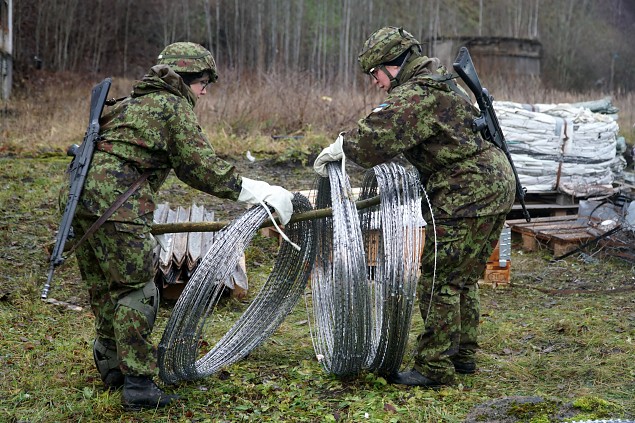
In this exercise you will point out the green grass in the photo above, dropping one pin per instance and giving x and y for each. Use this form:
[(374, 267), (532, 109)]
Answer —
[(567, 346)]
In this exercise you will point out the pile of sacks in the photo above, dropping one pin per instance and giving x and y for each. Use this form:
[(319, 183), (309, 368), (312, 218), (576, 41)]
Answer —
[(562, 147)]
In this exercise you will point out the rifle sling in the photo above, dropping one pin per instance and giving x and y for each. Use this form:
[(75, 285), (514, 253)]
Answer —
[(113, 208), (449, 80)]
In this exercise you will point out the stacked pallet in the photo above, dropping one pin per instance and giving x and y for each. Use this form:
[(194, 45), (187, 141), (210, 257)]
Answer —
[(559, 234)]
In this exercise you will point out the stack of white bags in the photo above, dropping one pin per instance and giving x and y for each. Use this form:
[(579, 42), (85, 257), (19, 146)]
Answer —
[(561, 147)]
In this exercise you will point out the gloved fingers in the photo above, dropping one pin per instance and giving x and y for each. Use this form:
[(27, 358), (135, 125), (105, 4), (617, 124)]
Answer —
[(320, 164), (281, 200), (253, 191), (332, 153)]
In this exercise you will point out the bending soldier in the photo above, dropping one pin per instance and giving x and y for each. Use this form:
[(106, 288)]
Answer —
[(154, 130), (427, 118)]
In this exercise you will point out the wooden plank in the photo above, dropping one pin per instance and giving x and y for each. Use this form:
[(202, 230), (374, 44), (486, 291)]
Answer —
[(520, 222), (561, 248), (561, 234), (573, 237), (530, 243)]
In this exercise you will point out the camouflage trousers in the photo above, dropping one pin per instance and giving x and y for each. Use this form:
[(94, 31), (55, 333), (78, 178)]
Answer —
[(450, 308), (116, 263)]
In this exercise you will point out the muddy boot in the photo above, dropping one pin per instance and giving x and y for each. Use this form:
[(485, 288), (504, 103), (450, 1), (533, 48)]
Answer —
[(113, 380), (141, 392), (414, 378)]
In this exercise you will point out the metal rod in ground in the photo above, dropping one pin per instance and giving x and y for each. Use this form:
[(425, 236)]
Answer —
[(164, 228)]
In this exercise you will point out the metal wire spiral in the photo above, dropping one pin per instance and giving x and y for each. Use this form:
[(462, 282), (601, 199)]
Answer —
[(340, 292), (181, 341), (393, 238), (361, 310)]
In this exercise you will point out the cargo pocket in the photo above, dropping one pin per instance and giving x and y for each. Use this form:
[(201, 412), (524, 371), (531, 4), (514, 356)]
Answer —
[(134, 253)]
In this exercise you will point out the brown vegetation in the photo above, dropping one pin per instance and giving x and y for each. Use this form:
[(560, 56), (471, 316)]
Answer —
[(239, 113)]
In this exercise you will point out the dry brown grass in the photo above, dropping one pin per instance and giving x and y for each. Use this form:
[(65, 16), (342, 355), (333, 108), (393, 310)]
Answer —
[(240, 112)]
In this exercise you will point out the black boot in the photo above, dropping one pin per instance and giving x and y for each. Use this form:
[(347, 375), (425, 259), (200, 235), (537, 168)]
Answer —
[(107, 363), (141, 392), (114, 379), (464, 367), (414, 378)]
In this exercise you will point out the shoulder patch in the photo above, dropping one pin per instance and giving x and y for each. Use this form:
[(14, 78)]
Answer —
[(380, 107)]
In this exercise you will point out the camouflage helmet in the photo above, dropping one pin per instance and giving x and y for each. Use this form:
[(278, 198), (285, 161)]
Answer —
[(384, 45), (186, 57)]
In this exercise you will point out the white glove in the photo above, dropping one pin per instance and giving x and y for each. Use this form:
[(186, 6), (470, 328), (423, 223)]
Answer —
[(332, 153), (254, 192)]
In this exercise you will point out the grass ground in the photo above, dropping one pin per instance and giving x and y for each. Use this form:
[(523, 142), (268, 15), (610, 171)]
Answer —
[(563, 332)]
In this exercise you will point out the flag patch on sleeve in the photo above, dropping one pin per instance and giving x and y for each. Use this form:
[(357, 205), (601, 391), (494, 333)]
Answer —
[(380, 107)]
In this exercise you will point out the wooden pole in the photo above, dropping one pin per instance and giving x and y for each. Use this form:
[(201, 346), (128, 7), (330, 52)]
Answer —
[(164, 228)]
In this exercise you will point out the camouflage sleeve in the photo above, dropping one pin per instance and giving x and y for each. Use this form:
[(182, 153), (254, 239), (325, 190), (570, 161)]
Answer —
[(194, 160), (398, 124)]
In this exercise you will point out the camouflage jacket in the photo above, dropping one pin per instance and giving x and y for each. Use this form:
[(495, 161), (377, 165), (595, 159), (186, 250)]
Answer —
[(423, 119), (154, 129)]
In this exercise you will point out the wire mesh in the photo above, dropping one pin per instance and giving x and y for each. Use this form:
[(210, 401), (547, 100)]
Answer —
[(179, 349)]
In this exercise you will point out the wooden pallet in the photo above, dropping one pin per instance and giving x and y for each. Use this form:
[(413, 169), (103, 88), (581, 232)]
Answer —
[(560, 234)]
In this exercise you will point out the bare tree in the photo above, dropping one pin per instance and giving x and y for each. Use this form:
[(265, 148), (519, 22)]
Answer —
[(321, 37)]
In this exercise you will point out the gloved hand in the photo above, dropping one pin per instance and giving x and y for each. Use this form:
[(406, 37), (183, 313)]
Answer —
[(253, 192), (332, 153)]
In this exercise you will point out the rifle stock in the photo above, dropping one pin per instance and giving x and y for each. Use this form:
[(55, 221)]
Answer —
[(487, 123), (78, 170)]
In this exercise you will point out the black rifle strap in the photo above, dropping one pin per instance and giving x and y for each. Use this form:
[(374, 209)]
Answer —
[(113, 208), (449, 80)]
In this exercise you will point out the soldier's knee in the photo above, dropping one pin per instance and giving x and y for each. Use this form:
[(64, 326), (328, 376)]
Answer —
[(144, 300)]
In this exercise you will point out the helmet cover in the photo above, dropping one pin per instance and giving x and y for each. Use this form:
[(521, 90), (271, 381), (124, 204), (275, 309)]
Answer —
[(187, 57), (384, 45)]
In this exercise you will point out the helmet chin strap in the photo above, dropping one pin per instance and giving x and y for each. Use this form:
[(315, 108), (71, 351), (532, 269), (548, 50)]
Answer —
[(394, 80)]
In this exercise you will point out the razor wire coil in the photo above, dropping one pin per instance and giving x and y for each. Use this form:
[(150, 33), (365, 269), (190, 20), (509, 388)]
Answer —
[(340, 294), (179, 349), (397, 229), (361, 311)]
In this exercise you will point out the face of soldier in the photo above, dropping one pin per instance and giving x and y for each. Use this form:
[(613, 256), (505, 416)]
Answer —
[(199, 87), (380, 79)]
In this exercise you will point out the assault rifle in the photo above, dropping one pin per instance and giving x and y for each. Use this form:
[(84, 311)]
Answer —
[(487, 123), (78, 169)]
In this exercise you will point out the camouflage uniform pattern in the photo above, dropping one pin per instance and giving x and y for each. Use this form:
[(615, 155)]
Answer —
[(114, 262), (450, 331), (154, 130), (471, 188)]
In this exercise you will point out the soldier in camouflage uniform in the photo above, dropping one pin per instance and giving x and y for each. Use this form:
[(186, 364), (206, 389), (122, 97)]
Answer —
[(153, 130), (427, 118)]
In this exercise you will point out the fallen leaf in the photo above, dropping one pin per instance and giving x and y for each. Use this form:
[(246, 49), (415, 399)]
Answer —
[(390, 408)]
